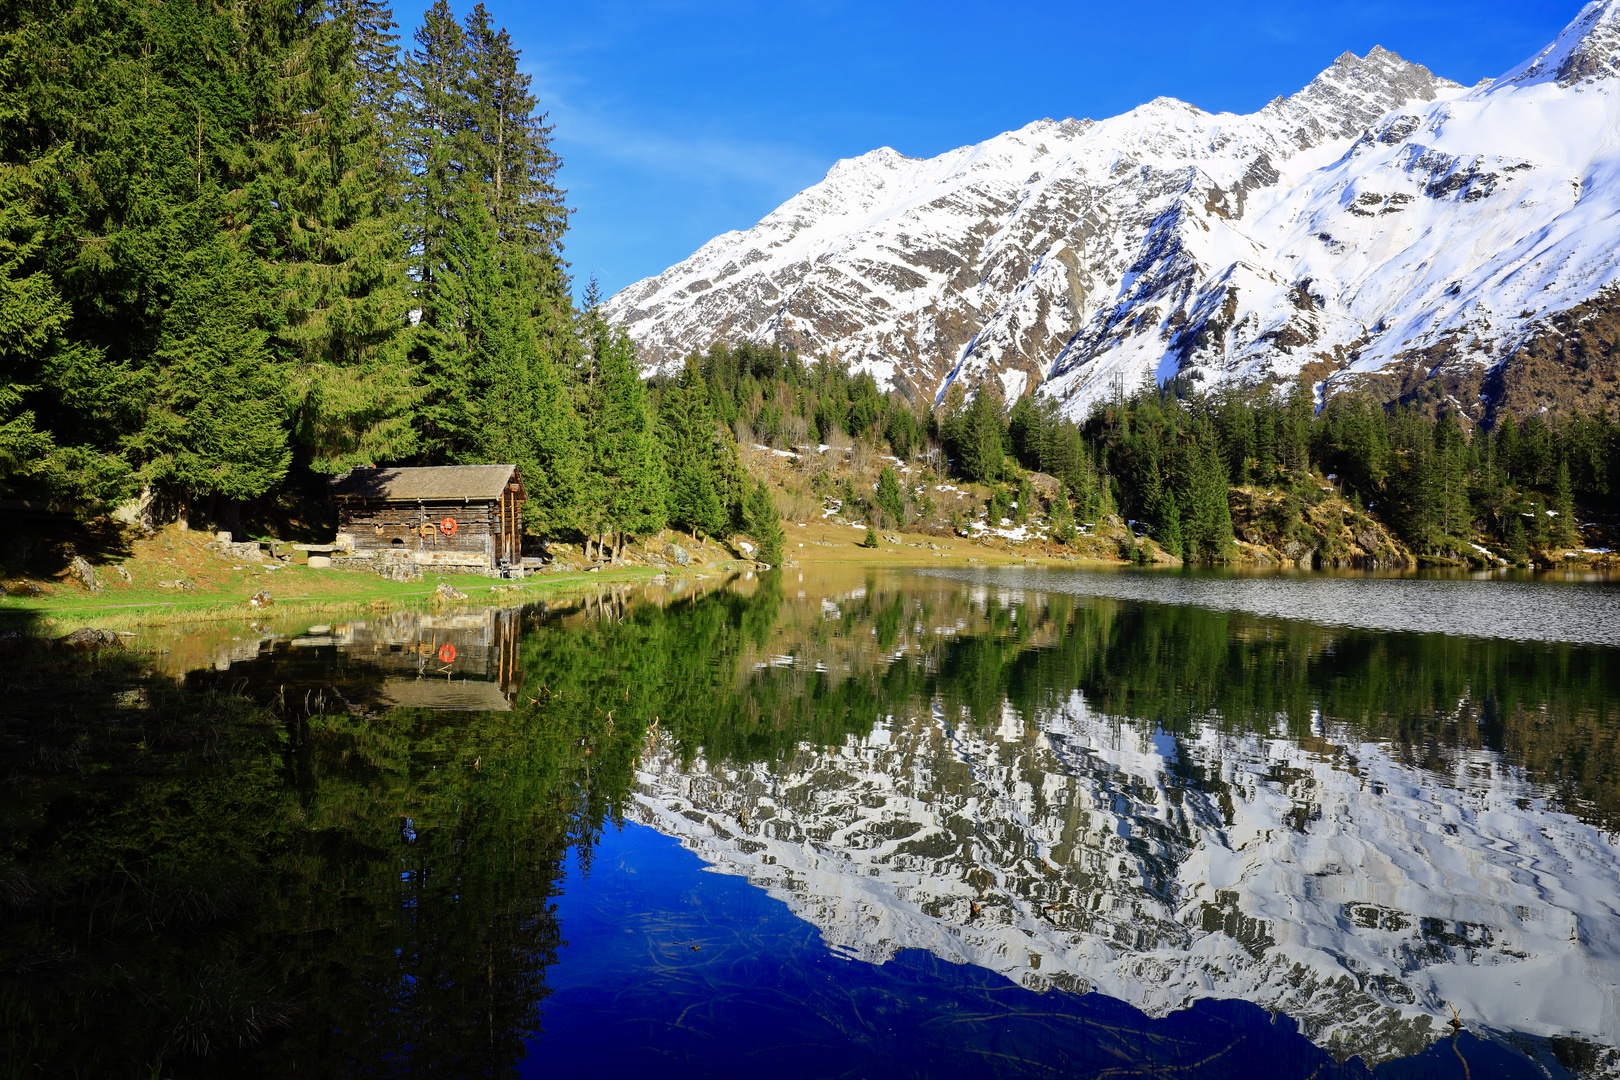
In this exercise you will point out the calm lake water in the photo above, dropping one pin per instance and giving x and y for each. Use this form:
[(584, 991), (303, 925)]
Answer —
[(926, 823)]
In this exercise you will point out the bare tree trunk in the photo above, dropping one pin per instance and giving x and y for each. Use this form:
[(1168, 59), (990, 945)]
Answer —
[(182, 516)]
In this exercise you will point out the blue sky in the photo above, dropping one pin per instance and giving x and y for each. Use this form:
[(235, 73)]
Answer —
[(677, 121)]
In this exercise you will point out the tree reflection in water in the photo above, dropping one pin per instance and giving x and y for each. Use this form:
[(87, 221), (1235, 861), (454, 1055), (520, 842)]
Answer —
[(213, 883)]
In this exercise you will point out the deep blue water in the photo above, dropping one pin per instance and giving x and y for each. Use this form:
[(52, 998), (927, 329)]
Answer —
[(761, 995)]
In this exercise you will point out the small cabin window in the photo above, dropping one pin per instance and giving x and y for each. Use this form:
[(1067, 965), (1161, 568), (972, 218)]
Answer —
[(399, 541)]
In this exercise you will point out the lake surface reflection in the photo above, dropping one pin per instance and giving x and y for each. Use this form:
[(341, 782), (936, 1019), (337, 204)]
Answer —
[(992, 823)]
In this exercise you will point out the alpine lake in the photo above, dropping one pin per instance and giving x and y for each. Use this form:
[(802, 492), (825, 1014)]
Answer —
[(831, 822)]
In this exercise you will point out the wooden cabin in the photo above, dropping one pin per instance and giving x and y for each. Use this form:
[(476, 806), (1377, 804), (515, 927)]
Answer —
[(465, 518)]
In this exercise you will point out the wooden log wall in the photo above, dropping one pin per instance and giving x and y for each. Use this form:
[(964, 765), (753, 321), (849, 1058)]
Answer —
[(377, 525)]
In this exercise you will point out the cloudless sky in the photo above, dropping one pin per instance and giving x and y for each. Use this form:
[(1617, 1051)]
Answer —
[(678, 120)]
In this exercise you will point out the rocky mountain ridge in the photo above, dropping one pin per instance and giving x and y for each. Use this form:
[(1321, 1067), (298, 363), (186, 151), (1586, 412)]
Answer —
[(1382, 229)]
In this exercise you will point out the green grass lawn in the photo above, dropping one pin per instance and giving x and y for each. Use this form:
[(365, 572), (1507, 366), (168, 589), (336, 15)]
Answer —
[(121, 604)]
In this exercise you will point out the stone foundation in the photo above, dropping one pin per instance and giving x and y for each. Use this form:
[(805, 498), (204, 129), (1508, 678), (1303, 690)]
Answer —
[(404, 566)]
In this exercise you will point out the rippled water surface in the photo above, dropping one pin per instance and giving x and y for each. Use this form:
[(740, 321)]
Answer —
[(1578, 608), (908, 823)]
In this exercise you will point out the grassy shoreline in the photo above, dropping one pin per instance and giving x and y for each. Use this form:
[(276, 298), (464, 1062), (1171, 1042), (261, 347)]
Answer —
[(178, 577), (312, 592)]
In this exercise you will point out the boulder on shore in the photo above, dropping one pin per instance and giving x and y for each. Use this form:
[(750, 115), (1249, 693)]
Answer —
[(86, 638)]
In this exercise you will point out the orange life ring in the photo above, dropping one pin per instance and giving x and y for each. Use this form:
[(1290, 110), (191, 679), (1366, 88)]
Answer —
[(447, 652), (448, 526)]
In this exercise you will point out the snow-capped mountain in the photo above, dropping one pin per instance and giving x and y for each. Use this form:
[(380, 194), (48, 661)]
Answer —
[(1324, 878), (1383, 228)]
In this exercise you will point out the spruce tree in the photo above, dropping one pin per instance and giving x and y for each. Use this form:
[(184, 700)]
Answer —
[(1565, 530), (1169, 532), (552, 472), (690, 437), (765, 524), (507, 147), (435, 111), (1453, 514), (33, 316), (889, 496), (625, 480), (1518, 543), (446, 350), (1025, 499), (1024, 431), (329, 226), (982, 431), (215, 419), (1061, 516), (155, 122), (1200, 486)]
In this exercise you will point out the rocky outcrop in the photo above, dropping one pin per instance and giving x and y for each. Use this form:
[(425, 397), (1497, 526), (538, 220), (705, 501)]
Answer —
[(1279, 528)]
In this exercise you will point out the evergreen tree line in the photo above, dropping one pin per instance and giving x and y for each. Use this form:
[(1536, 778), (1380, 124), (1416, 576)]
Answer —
[(244, 243), (1171, 461), (1169, 458)]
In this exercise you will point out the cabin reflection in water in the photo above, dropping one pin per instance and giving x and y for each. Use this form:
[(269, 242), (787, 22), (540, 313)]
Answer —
[(464, 661)]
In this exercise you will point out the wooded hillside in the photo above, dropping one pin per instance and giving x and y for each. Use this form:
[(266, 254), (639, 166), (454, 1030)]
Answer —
[(250, 244)]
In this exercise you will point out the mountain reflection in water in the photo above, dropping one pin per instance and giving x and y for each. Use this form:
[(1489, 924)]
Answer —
[(1166, 803), (1119, 828)]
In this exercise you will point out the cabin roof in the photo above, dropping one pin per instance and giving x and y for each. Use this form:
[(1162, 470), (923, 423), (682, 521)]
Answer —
[(428, 484)]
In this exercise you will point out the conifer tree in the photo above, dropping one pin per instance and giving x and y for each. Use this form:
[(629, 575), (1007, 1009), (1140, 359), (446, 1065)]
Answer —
[(329, 226), (1506, 439), (690, 436), (462, 319), (889, 496), (1564, 527), (981, 436), (626, 487), (434, 116), (214, 424), (155, 122), (32, 318), (1024, 430), (1517, 542), (1200, 482), (1452, 510), (1062, 517), (1025, 498), (765, 524), (553, 470), (506, 146)]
